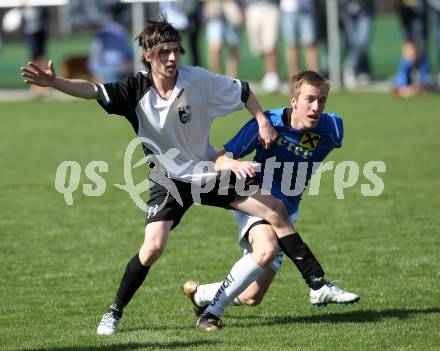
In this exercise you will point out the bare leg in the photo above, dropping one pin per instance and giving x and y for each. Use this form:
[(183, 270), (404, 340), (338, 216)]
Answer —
[(215, 57), (258, 237), (245, 271), (312, 57), (232, 69), (156, 238), (291, 243), (292, 60), (270, 209), (271, 62), (254, 293)]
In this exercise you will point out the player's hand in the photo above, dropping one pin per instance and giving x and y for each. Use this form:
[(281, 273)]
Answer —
[(267, 135), (38, 76), (224, 161), (244, 169)]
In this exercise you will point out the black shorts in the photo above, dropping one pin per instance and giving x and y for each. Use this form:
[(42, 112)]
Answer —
[(166, 205)]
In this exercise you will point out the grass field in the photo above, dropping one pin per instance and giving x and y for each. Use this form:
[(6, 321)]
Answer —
[(60, 264)]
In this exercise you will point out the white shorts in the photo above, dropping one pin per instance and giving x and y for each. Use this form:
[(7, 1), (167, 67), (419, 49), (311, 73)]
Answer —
[(245, 222), (262, 25)]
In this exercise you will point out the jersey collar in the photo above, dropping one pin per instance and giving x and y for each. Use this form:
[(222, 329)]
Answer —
[(287, 116)]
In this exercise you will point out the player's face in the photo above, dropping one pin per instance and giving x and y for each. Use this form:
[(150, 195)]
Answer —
[(164, 64), (308, 106)]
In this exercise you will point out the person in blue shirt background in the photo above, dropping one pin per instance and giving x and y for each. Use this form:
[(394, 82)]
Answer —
[(412, 76), (306, 136), (111, 56)]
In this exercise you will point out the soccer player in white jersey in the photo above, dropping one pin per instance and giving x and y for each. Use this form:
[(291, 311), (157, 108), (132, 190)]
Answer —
[(171, 107), (306, 136)]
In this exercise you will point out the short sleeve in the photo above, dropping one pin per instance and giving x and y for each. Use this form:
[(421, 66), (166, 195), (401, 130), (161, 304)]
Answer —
[(338, 129), (245, 141), (224, 94), (119, 97)]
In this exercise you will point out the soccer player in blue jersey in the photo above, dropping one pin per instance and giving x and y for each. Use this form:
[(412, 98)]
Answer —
[(306, 136)]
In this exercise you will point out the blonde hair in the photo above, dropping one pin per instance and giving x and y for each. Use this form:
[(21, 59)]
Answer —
[(307, 77)]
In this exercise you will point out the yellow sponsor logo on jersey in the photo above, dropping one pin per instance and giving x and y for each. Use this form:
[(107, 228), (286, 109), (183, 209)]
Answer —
[(310, 140)]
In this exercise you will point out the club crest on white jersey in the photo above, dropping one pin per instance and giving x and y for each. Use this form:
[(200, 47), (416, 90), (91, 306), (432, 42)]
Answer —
[(184, 113)]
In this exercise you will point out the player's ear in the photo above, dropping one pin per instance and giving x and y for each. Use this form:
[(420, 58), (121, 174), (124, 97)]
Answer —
[(293, 102), (147, 56)]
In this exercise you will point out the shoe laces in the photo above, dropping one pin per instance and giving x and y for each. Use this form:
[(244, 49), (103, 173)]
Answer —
[(333, 288), (109, 318)]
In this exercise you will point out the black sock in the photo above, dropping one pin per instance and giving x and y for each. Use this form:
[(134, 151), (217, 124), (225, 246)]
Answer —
[(134, 275), (117, 312), (304, 260), (315, 282)]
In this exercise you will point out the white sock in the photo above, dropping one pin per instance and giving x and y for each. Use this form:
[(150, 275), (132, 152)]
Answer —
[(243, 273), (205, 293)]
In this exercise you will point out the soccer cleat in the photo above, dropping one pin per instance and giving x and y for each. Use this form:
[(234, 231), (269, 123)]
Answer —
[(109, 322), (189, 288), (330, 293), (208, 322)]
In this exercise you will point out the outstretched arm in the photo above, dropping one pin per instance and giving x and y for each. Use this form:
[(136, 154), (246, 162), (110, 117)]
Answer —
[(36, 75), (225, 162), (266, 132)]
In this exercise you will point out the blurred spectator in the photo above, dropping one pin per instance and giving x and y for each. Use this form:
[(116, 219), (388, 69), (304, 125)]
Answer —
[(83, 13), (299, 28), (185, 15), (321, 32), (262, 24), (11, 20), (412, 76), (223, 18), (35, 23), (111, 56), (193, 9), (175, 15), (356, 18), (88, 13), (413, 16)]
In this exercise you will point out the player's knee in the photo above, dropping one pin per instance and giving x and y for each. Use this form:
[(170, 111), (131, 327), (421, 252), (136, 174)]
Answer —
[(265, 255), (150, 253)]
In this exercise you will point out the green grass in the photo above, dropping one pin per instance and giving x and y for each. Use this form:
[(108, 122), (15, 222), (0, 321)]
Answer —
[(384, 52), (60, 265)]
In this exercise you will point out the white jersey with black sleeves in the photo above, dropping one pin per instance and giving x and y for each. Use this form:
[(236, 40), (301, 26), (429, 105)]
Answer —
[(179, 126)]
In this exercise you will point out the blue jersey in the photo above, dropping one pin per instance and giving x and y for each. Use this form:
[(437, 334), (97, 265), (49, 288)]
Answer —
[(412, 73), (298, 151)]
